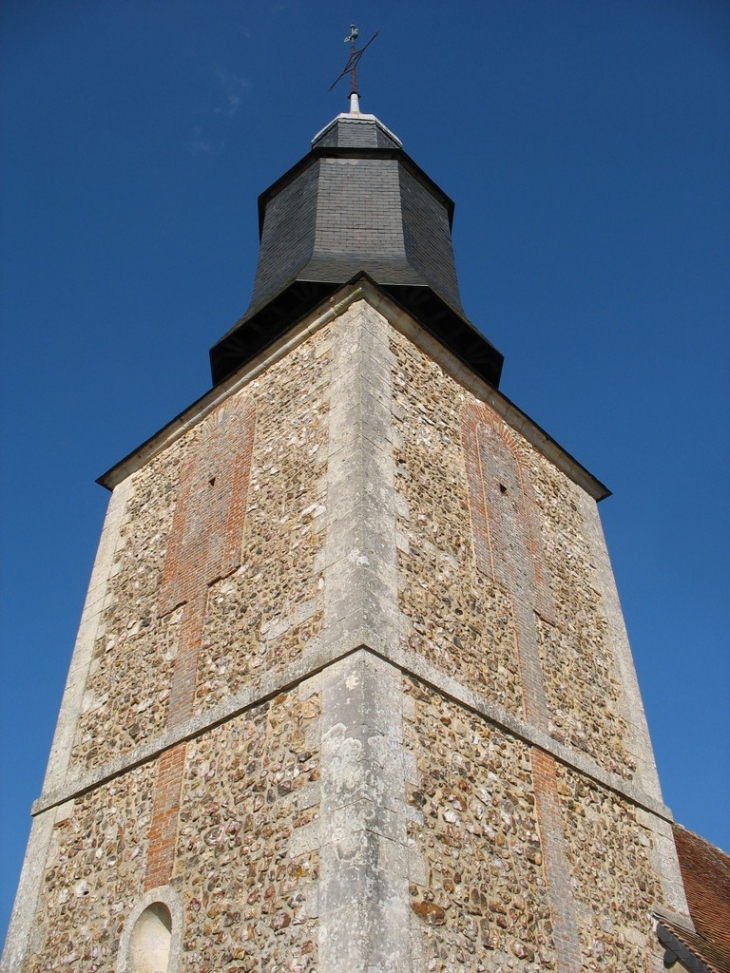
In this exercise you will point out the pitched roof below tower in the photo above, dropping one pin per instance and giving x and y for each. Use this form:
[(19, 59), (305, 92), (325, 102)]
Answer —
[(706, 877)]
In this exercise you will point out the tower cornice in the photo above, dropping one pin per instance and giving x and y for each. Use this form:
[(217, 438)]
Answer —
[(361, 288)]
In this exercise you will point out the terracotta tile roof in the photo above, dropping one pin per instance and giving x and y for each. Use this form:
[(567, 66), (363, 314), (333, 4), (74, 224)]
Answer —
[(706, 875), (704, 957)]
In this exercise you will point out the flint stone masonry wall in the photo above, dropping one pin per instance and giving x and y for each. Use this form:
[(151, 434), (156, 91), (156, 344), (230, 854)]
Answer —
[(248, 901), (615, 885), (462, 617), (93, 874), (456, 619), (581, 675), (263, 615), (128, 683), (484, 906)]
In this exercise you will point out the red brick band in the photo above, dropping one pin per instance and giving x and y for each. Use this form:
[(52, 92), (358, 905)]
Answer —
[(508, 549), (507, 543), (163, 830), (557, 870), (207, 530), (507, 537), (204, 545), (185, 673)]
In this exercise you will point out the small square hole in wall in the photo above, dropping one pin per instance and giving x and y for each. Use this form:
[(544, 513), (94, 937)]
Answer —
[(502, 488)]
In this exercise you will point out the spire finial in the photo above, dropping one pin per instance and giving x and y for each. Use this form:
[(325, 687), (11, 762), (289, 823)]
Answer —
[(351, 66)]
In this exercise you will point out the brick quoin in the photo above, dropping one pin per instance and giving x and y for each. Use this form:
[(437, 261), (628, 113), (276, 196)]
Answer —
[(205, 545), (508, 549)]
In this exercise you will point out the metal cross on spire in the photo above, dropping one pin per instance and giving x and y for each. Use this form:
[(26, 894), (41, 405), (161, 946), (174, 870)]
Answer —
[(351, 66)]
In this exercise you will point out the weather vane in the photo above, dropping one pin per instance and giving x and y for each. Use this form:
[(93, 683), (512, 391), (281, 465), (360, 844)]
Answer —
[(353, 60)]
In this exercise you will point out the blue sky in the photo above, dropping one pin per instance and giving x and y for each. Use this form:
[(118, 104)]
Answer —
[(587, 148)]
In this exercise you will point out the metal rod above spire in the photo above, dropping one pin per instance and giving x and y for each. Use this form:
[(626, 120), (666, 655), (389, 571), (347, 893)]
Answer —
[(351, 66)]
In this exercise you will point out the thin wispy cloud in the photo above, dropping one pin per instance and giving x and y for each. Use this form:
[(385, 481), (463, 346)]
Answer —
[(232, 88), (223, 102), (200, 145)]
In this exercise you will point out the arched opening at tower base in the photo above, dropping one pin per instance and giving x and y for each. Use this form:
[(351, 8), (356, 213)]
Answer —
[(151, 940)]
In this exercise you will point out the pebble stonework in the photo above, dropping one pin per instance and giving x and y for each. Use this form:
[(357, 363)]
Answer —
[(352, 691)]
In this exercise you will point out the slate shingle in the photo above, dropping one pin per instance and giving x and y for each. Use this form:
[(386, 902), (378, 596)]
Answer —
[(355, 204)]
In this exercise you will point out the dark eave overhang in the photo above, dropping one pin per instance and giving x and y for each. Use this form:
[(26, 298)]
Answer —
[(251, 336), (675, 951), (330, 309)]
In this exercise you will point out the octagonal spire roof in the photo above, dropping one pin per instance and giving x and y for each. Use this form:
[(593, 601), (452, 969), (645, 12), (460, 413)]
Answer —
[(356, 203)]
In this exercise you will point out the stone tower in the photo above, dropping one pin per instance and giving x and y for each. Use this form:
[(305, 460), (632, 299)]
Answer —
[(352, 690)]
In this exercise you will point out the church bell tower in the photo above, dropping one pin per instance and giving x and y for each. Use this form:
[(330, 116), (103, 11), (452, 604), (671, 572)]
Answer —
[(352, 690)]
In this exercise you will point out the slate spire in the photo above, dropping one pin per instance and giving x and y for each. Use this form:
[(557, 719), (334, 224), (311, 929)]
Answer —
[(355, 204)]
